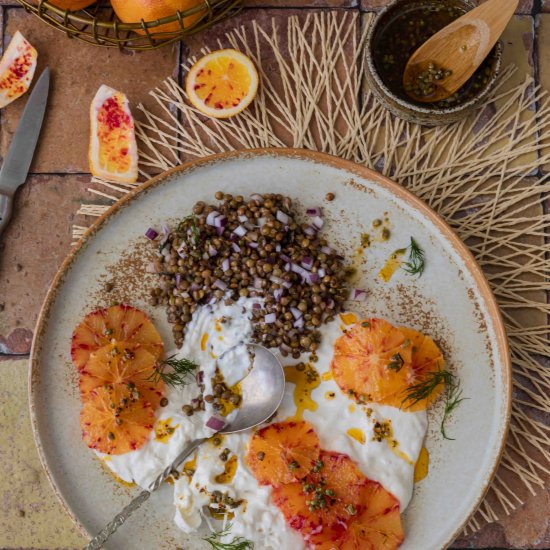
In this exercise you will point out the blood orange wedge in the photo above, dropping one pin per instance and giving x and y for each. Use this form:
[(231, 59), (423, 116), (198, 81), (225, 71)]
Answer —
[(16, 69), (113, 150), (283, 452), (377, 526), (427, 359), (222, 83), (116, 323), (321, 505), (371, 361), (122, 363), (116, 420)]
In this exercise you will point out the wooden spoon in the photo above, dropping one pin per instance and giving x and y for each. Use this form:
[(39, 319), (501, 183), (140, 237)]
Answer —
[(450, 57)]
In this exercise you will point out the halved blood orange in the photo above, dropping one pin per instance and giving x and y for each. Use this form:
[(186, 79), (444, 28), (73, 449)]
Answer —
[(222, 83), (370, 362), (377, 526), (16, 69), (113, 150), (122, 363), (116, 420), (283, 452), (325, 500), (116, 323), (426, 359)]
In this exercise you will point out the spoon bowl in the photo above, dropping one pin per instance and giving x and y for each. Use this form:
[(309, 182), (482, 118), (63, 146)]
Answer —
[(262, 389), (443, 64)]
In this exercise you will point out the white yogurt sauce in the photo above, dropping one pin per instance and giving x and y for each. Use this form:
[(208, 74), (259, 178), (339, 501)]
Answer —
[(390, 461)]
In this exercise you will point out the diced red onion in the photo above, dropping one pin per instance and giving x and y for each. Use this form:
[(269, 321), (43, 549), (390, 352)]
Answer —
[(219, 230), (285, 258), (277, 294), (199, 377), (181, 250), (338, 257), (151, 234), (310, 231), (312, 278), (165, 235), (211, 218), (282, 217), (299, 323), (321, 272), (178, 279), (261, 221), (215, 423), (256, 197), (288, 266), (240, 231), (277, 247), (256, 305), (258, 283), (225, 264), (233, 237), (185, 295), (300, 270), (287, 284), (194, 287), (249, 226), (218, 283), (296, 312), (358, 295), (253, 245), (326, 250), (276, 280), (314, 211), (220, 221), (212, 251), (235, 247), (318, 222), (270, 318), (205, 256), (243, 218), (307, 262)]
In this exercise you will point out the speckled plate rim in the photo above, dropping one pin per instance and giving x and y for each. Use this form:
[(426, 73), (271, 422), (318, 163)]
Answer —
[(310, 156)]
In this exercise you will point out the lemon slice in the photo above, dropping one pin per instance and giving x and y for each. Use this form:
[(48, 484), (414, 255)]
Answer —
[(16, 69), (222, 83), (113, 150)]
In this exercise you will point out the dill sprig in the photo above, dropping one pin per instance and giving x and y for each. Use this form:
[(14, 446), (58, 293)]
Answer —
[(453, 398), (416, 262), (423, 389), (180, 375), (238, 543)]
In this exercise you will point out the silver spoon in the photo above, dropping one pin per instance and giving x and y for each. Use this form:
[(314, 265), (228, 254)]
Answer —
[(263, 390)]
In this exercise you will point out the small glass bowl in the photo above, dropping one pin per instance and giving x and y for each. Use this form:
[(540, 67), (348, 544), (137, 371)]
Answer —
[(405, 108)]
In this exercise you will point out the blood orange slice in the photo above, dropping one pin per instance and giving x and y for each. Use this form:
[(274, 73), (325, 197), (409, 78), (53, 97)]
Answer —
[(122, 363), (283, 452), (222, 83), (116, 420), (321, 505), (426, 360), (116, 323), (371, 361), (377, 526), (113, 150), (16, 69)]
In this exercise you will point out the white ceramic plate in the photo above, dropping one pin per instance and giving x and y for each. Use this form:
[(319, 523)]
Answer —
[(451, 302)]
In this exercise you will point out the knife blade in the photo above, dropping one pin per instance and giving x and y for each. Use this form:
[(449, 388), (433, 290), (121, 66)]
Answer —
[(18, 159)]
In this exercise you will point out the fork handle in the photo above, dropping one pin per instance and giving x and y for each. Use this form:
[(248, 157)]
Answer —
[(5, 211)]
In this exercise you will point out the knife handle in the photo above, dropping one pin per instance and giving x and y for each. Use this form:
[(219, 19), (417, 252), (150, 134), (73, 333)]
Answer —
[(5, 211)]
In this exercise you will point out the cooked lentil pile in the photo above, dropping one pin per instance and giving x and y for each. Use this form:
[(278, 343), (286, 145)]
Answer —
[(253, 248)]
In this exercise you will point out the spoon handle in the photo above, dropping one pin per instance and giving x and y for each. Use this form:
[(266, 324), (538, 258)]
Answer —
[(129, 509)]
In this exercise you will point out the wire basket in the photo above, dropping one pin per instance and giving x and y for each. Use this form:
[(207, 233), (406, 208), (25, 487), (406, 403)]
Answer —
[(99, 25)]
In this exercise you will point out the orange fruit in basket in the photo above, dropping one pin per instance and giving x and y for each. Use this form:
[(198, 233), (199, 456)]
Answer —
[(113, 150), (16, 69), (222, 83), (283, 452), (116, 419), (134, 11), (72, 5), (122, 363), (119, 323), (371, 362), (426, 360)]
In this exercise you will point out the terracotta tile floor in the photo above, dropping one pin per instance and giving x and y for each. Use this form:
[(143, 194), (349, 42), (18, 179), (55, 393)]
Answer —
[(39, 237)]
